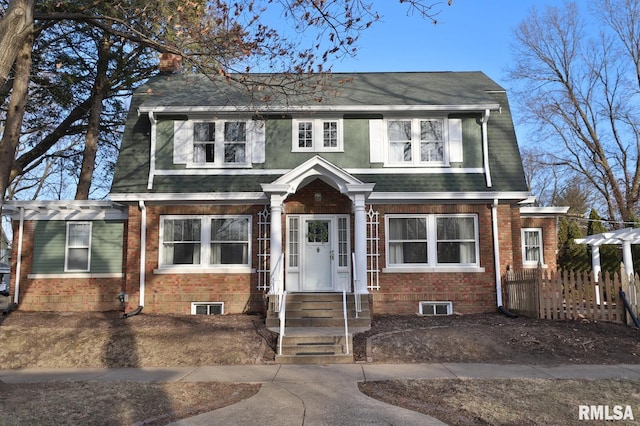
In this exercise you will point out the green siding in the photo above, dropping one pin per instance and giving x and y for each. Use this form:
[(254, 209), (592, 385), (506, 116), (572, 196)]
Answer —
[(106, 247), (164, 146), (49, 247)]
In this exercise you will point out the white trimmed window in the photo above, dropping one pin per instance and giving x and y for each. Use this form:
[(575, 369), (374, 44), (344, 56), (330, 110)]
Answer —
[(532, 247), (317, 135), (219, 143), (432, 240), (205, 241), (422, 141), (78, 247)]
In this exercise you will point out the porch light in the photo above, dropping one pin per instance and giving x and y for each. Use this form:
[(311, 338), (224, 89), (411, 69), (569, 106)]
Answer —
[(317, 197)]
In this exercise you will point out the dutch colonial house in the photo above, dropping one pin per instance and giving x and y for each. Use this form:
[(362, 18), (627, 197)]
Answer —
[(405, 191)]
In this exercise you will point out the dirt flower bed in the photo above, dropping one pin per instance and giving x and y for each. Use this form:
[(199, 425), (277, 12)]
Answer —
[(58, 340)]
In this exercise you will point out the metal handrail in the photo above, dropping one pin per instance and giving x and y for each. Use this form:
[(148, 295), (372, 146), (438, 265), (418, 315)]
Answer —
[(356, 295), (346, 320), (281, 317), (277, 291)]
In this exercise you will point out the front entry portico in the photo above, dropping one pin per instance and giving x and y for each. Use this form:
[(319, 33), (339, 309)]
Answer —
[(313, 252)]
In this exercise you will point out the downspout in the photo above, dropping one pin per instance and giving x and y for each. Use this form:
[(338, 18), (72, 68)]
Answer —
[(496, 258), (19, 261), (152, 151), (143, 252), (485, 147)]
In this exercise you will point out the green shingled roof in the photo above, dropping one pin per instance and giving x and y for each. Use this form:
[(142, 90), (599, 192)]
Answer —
[(413, 88), (366, 90)]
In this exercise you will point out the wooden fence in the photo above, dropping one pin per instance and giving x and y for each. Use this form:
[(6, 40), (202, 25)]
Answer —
[(570, 295)]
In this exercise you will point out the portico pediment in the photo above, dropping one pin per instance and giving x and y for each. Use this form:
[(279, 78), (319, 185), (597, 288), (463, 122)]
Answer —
[(318, 168)]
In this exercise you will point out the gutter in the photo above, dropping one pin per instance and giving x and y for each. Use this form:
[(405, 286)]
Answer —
[(152, 150), (16, 294), (143, 249), (496, 258), (485, 146), (143, 258)]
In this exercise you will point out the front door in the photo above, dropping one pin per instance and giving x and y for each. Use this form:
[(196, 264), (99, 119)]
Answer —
[(318, 254)]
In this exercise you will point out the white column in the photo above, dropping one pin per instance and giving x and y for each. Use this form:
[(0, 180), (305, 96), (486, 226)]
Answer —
[(595, 262), (595, 266), (627, 259), (360, 243), (276, 260)]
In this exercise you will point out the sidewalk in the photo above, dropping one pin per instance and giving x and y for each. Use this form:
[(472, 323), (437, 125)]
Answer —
[(318, 394)]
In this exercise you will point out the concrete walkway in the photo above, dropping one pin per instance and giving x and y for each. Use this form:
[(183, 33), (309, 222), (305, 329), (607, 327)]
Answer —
[(313, 395)]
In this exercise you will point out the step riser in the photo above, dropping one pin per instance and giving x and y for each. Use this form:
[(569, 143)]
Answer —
[(314, 359), (319, 322), (312, 350)]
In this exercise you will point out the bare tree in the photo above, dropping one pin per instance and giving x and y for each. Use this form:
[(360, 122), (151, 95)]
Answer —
[(215, 37), (583, 94)]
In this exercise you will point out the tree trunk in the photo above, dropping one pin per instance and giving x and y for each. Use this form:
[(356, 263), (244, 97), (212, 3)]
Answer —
[(15, 26), (100, 88), (15, 113)]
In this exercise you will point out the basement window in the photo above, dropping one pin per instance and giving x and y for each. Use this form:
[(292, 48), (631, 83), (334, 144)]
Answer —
[(435, 308), (207, 308)]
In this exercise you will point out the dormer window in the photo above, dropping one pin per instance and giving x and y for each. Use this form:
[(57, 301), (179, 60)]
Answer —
[(317, 135), (223, 143), (416, 141), (220, 142)]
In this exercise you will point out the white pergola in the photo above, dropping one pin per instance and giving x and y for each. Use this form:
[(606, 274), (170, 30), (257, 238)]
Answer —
[(625, 237)]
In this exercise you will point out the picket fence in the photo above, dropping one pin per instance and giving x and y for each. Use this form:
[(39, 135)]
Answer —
[(545, 294)]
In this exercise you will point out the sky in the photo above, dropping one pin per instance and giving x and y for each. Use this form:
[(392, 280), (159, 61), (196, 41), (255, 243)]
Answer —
[(471, 35)]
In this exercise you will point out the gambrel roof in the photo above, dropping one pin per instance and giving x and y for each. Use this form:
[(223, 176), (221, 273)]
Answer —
[(356, 96)]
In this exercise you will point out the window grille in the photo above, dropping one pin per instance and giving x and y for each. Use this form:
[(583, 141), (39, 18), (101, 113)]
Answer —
[(373, 253), (264, 237)]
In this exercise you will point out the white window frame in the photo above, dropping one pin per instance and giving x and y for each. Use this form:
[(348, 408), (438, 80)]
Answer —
[(532, 263), (205, 247), (194, 306), (317, 128), (219, 145), (432, 264), (416, 142), (432, 304), (67, 246)]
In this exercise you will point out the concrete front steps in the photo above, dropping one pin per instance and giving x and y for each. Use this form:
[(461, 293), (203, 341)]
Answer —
[(314, 328)]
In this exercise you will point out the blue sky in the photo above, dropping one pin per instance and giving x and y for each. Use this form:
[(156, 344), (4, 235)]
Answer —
[(472, 35)]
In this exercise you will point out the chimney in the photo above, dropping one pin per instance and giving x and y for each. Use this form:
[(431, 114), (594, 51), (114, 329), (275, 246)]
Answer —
[(170, 63)]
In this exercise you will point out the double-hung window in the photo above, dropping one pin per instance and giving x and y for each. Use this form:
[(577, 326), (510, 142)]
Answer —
[(416, 141), (532, 247), (78, 246), (205, 241), (317, 135), (431, 240), (220, 143)]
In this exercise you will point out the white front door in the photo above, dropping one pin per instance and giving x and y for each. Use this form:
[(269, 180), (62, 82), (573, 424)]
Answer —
[(318, 255)]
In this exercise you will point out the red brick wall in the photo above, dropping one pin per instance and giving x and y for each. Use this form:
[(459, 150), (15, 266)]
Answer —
[(58, 294), (549, 238), (471, 292), (174, 292)]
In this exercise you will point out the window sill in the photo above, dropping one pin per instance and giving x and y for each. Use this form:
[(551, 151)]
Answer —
[(71, 275), (218, 166), (438, 269), (204, 270), (534, 266)]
